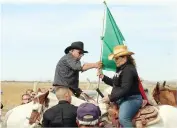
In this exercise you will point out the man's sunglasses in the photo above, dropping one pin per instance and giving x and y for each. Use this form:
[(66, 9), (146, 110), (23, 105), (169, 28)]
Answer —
[(81, 53)]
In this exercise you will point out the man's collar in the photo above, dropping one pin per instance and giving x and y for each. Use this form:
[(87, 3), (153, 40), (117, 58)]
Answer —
[(63, 102)]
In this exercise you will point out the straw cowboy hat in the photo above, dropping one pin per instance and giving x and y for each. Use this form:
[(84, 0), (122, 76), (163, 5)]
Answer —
[(119, 50), (76, 45)]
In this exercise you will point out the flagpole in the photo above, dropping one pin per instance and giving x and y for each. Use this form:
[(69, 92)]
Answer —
[(101, 50)]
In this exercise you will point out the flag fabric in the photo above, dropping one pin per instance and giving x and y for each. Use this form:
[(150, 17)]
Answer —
[(112, 37)]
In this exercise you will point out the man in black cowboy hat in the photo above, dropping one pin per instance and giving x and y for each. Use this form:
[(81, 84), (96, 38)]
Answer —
[(68, 67)]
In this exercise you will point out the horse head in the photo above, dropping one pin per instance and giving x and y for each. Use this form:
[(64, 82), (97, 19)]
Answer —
[(40, 102), (163, 95)]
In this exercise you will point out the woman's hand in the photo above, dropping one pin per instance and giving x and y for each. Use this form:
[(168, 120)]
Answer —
[(105, 99), (100, 73)]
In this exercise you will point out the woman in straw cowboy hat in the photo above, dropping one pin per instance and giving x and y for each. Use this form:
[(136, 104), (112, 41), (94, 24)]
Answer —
[(125, 93)]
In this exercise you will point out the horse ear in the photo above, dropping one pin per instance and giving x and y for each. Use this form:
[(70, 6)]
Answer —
[(158, 86), (164, 83), (146, 90), (39, 90)]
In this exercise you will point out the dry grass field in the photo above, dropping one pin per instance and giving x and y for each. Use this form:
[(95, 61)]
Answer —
[(12, 91)]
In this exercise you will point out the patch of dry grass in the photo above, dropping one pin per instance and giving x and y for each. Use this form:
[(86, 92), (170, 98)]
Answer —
[(12, 91)]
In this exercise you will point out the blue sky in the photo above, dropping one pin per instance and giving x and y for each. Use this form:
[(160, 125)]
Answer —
[(34, 36)]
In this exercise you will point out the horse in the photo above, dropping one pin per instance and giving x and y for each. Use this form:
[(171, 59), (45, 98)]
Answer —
[(163, 116), (30, 115), (164, 95)]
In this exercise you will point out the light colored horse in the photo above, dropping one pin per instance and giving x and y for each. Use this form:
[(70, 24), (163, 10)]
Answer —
[(167, 114), (19, 116)]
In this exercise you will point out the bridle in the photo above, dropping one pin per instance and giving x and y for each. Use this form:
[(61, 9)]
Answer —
[(37, 112), (156, 96)]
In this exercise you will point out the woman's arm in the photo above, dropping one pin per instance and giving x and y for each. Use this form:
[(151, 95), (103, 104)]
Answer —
[(126, 83), (106, 80)]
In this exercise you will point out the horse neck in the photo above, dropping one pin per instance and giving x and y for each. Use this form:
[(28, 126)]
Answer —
[(175, 95), (52, 100), (167, 97)]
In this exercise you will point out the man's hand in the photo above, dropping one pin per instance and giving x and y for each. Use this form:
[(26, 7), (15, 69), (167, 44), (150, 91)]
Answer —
[(98, 64), (87, 66)]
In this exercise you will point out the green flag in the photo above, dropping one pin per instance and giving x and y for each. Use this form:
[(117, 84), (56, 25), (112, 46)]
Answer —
[(112, 37)]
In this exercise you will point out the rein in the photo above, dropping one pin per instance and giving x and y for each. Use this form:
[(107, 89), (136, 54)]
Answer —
[(87, 97), (157, 97)]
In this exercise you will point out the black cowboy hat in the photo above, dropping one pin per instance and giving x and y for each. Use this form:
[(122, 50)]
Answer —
[(76, 45)]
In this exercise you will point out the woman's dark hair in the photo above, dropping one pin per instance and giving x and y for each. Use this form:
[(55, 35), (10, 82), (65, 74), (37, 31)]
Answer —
[(131, 60)]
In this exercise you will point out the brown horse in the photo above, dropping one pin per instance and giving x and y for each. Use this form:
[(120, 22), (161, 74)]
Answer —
[(164, 95)]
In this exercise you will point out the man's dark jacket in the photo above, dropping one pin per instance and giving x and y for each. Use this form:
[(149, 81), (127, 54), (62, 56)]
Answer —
[(67, 73), (62, 115)]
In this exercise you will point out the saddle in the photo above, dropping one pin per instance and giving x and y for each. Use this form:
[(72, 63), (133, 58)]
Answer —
[(36, 112), (147, 115)]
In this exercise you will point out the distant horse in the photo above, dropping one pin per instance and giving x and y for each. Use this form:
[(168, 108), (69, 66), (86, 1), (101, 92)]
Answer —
[(164, 95)]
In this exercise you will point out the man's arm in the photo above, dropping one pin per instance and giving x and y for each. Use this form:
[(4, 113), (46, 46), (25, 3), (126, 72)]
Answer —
[(76, 65), (87, 66)]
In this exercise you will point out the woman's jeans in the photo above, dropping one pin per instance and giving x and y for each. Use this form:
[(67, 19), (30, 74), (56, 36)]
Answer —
[(128, 107)]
